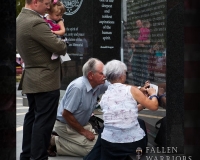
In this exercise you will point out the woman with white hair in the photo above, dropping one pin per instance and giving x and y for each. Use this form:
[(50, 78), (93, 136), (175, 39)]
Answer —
[(122, 133)]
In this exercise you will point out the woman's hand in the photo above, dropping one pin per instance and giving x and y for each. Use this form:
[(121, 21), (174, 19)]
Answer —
[(144, 88), (151, 91)]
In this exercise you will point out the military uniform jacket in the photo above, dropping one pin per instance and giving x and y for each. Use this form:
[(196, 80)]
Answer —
[(36, 43)]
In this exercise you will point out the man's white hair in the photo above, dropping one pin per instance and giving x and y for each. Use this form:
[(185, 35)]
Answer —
[(90, 65)]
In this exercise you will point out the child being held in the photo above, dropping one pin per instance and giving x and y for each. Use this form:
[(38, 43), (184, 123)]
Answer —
[(55, 21), (144, 31), (144, 34)]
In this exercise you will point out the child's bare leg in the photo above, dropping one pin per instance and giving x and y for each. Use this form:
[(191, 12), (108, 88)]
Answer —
[(143, 43), (146, 41), (132, 40), (140, 43)]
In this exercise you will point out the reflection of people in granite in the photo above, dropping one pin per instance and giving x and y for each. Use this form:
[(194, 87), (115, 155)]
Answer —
[(141, 54), (131, 60), (158, 49), (126, 50), (81, 50), (162, 95), (157, 59), (82, 47), (144, 33), (131, 52)]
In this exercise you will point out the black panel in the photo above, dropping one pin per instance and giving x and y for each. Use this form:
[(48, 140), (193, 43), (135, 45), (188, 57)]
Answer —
[(107, 29)]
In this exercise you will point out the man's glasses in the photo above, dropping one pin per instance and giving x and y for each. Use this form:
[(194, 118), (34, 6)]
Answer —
[(98, 72)]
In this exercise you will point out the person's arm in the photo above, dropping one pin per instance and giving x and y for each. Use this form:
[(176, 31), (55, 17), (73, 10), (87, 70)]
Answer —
[(151, 104), (42, 34), (143, 42), (61, 32), (71, 120), (140, 107)]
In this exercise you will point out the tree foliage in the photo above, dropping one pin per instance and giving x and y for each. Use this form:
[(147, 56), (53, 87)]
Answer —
[(19, 5)]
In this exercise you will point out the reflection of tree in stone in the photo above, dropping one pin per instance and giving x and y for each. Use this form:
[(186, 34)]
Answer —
[(19, 5)]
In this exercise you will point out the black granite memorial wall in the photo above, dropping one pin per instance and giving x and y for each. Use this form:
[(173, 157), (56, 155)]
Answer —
[(158, 57), (175, 74), (144, 39), (93, 29)]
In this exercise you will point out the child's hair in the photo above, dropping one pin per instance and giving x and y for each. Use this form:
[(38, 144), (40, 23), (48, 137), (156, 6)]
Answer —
[(57, 6), (146, 24)]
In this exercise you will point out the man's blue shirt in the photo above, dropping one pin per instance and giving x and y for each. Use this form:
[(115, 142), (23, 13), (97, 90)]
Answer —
[(80, 99)]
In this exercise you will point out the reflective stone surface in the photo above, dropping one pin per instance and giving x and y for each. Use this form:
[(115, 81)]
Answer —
[(93, 29)]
